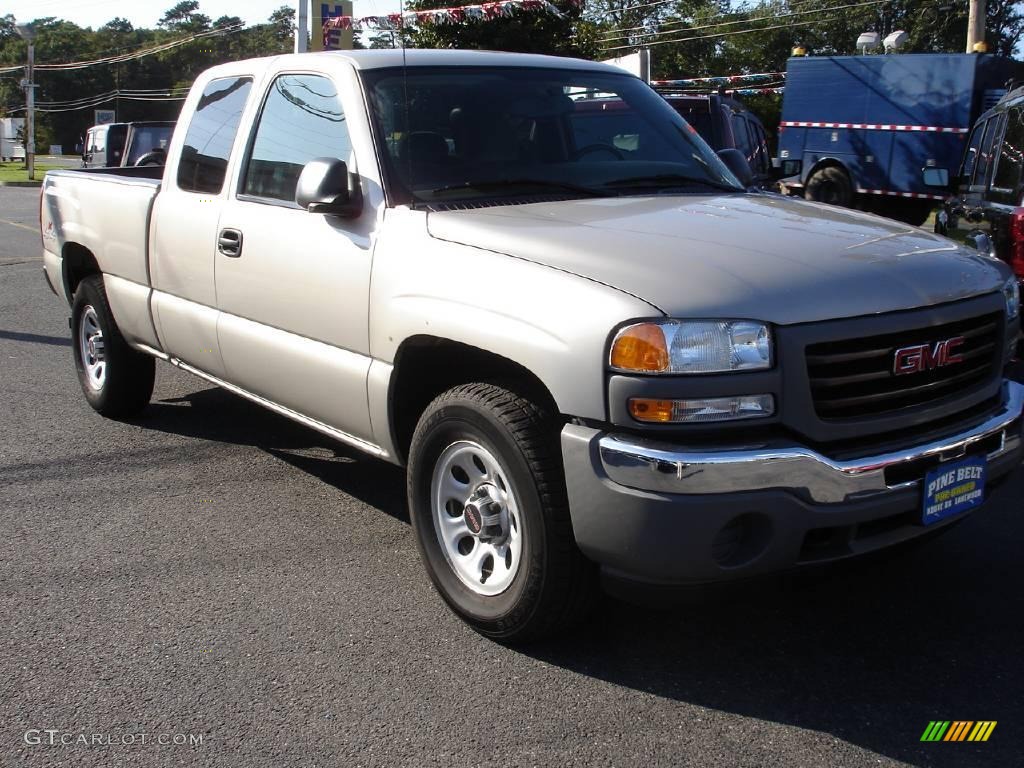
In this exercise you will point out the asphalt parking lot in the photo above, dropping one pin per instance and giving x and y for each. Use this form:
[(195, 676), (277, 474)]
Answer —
[(216, 573)]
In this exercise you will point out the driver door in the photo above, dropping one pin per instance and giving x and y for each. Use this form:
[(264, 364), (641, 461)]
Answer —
[(293, 286)]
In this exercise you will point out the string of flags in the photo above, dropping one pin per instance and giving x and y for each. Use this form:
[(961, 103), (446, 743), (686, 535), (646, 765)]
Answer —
[(476, 12), (757, 77)]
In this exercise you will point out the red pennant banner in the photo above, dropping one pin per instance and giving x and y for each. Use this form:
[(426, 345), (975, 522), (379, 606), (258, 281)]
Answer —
[(457, 15)]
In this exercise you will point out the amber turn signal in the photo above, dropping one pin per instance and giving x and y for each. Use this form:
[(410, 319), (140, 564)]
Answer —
[(641, 347), (648, 409)]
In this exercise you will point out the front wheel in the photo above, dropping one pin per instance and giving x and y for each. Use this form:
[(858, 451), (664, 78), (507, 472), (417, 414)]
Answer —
[(488, 505), (117, 380)]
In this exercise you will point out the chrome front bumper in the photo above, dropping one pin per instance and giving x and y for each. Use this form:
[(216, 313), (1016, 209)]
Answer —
[(648, 465)]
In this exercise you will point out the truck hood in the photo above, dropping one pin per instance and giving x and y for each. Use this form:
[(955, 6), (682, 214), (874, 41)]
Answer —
[(763, 257)]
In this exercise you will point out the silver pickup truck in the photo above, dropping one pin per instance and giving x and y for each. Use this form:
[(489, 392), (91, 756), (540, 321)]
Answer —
[(596, 352)]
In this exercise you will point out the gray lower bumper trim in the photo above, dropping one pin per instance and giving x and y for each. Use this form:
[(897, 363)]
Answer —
[(667, 468)]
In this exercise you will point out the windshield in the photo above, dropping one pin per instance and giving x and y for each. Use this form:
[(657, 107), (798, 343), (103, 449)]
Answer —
[(482, 133), (146, 139)]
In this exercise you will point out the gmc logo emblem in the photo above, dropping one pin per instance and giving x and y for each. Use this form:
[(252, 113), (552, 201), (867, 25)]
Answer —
[(928, 357)]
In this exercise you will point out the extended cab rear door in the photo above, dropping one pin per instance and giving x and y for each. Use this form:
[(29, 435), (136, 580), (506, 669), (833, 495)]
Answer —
[(293, 286), (185, 217)]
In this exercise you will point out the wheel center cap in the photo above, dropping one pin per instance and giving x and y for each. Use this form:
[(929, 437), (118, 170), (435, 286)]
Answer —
[(474, 519), (483, 513)]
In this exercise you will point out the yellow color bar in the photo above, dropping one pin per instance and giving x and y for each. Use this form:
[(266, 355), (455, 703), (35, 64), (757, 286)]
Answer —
[(982, 730)]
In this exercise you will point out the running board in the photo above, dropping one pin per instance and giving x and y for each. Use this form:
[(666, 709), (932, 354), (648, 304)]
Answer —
[(337, 434)]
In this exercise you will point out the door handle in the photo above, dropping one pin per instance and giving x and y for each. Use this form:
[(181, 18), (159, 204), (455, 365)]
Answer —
[(230, 242)]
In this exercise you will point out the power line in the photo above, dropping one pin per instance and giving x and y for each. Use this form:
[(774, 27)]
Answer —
[(217, 31), (722, 34), (814, 11), (89, 102), (763, 6)]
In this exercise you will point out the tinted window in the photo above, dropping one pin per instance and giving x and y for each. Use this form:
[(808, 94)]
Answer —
[(302, 119), (761, 162), (739, 132), (146, 139), (986, 151), (699, 116), (462, 133), (971, 154), (1007, 177), (204, 157)]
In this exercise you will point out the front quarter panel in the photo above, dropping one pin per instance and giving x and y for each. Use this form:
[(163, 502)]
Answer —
[(553, 323)]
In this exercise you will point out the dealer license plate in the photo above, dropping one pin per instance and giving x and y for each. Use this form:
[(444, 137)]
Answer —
[(952, 488)]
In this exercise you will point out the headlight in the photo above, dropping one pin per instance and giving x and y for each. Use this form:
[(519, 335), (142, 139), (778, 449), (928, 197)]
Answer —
[(1012, 293), (692, 346)]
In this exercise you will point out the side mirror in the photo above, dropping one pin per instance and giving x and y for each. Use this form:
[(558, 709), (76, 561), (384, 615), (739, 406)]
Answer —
[(326, 186), (783, 168), (737, 163), (937, 178)]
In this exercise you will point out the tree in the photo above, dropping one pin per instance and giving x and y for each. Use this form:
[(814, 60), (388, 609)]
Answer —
[(185, 17), (526, 32)]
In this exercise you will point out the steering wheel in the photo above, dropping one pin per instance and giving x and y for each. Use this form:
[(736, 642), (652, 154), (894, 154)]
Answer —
[(598, 148)]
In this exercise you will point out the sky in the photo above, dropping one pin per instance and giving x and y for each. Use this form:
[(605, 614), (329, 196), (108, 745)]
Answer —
[(146, 13)]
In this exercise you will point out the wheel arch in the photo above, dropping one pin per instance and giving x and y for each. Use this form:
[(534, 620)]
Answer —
[(830, 162), (425, 366), (77, 263)]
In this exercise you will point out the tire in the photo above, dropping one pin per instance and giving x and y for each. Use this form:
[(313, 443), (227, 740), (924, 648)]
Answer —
[(830, 185), (507, 449), (117, 381)]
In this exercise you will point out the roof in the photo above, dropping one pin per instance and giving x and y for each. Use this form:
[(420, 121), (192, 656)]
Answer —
[(424, 57)]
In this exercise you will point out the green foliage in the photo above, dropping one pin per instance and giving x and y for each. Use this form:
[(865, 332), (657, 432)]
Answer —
[(524, 32), (60, 41)]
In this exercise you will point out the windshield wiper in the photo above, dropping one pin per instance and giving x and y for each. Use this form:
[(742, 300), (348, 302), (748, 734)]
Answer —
[(669, 180), (503, 183)]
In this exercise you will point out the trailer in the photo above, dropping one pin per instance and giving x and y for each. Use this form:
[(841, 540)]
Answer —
[(866, 126)]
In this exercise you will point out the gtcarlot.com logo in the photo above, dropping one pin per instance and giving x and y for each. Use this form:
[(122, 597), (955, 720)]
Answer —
[(55, 737), (958, 730)]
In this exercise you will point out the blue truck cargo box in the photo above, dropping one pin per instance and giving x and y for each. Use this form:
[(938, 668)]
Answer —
[(883, 118)]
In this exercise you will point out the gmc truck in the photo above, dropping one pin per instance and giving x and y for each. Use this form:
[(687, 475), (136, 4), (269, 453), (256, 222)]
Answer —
[(596, 361)]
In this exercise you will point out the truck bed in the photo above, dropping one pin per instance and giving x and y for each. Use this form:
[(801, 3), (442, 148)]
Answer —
[(105, 210)]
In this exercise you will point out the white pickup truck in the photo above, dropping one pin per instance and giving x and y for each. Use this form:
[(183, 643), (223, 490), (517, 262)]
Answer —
[(529, 281)]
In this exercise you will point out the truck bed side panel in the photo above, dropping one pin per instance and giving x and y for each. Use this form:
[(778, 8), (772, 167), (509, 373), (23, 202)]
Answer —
[(109, 216)]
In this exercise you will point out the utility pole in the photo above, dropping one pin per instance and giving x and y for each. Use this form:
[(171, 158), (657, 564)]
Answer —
[(301, 22), (29, 34), (976, 26)]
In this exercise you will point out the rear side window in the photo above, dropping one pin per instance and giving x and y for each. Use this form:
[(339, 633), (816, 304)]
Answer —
[(1007, 178), (760, 162), (302, 120), (971, 155), (204, 157), (742, 136), (986, 152)]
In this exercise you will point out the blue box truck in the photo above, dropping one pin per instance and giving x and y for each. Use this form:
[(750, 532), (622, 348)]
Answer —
[(865, 126)]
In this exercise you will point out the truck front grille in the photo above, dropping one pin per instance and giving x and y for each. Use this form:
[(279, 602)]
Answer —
[(854, 378)]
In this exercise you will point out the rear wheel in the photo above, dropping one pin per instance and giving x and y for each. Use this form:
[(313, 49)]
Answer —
[(488, 505), (830, 185), (117, 381)]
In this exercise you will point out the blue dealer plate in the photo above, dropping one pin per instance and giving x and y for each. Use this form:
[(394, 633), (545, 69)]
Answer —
[(952, 488)]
